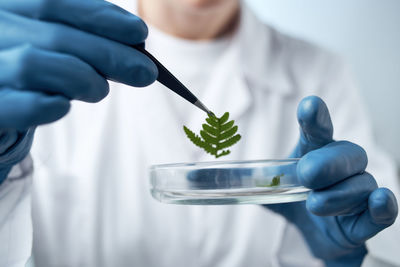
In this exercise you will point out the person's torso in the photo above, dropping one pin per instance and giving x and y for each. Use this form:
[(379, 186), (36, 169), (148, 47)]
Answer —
[(92, 205)]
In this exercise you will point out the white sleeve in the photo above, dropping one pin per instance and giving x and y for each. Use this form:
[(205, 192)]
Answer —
[(15, 216), (351, 122)]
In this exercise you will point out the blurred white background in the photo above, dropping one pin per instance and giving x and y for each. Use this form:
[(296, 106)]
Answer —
[(367, 34)]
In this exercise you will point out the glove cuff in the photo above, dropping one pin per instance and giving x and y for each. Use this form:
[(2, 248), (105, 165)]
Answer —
[(4, 173), (16, 153)]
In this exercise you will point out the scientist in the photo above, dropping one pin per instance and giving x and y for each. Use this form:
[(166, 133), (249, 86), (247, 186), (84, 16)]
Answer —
[(89, 202)]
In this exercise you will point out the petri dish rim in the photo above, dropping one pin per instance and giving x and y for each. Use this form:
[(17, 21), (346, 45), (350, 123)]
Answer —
[(220, 162)]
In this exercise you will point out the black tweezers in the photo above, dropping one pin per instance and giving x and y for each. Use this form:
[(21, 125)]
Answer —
[(166, 78)]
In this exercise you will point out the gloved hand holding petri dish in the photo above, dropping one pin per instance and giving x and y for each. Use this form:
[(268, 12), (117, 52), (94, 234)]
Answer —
[(344, 206), (267, 181)]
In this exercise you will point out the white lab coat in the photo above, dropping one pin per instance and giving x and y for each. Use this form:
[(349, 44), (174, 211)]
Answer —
[(91, 200)]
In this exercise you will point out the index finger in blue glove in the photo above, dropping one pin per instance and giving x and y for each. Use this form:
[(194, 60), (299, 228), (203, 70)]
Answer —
[(331, 164), (348, 197), (99, 17), (113, 60), (29, 68), (316, 128)]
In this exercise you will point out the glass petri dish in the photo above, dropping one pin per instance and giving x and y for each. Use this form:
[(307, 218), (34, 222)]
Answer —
[(227, 182)]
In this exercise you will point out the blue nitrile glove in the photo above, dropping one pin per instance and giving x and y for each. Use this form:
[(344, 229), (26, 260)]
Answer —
[(52, 52), (345, 206)]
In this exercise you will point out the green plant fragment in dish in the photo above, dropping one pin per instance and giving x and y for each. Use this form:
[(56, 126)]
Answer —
[(276, 180)]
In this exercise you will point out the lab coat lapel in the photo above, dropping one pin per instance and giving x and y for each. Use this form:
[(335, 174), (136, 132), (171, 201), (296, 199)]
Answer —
[(263, 62), (227, 90), (248, 65)]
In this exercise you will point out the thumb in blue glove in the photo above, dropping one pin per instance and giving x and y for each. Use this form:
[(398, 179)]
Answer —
[(345, 206)]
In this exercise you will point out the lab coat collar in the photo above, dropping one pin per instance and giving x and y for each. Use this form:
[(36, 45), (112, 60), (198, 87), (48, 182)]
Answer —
[(263, 60), (227, 89), (247, 65)]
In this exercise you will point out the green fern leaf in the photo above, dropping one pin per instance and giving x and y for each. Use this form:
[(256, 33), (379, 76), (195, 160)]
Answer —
[(229, 142), (228, 133), (227, 126), (223, 153), (193, 137), (209, 149), (217, 135), (224, 118), (209, 138), (210, 130), (212, 122), (198, 141)]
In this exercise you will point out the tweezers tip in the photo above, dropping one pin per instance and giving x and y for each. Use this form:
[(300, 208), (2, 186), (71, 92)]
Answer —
[(203, 107)]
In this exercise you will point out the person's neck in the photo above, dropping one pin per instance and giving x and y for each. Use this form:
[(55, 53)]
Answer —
[(188, 23)]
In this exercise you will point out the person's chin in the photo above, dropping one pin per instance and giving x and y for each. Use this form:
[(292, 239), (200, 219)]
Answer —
[(203, 4)]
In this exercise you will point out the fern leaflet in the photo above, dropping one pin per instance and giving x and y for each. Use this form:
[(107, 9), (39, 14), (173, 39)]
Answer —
[(215, 136), (198, 141)]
